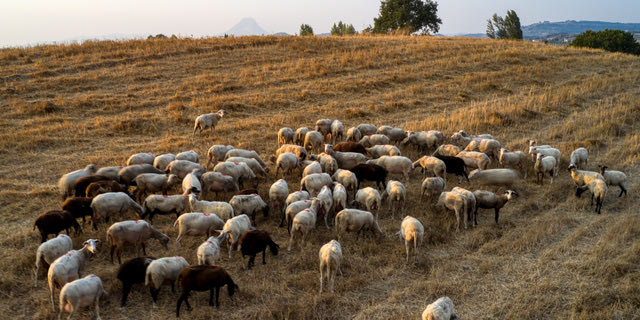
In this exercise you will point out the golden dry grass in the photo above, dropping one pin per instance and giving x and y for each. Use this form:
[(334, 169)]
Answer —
[(551, 257)]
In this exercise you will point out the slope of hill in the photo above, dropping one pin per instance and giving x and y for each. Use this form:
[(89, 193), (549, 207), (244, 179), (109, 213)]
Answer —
[(546, 28), (550, 256), (246, 27)]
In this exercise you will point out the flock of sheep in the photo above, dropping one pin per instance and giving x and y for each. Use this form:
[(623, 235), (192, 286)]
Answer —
[(330, 190)]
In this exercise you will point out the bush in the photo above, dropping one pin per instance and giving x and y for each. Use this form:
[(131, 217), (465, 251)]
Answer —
[(609, 40)]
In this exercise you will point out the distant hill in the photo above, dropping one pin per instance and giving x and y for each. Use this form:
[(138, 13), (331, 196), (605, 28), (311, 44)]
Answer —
[(546, 28), (247, 27)]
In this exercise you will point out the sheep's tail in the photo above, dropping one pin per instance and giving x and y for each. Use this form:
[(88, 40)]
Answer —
[(175, 224), (148, 279)]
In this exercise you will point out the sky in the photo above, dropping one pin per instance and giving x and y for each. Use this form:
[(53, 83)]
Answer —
[(29, 22)]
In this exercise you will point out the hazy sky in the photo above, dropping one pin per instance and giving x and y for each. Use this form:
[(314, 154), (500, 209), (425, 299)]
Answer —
[(35, 21)]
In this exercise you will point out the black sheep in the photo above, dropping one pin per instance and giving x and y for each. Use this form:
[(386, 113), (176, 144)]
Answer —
[(54, 221), (254, 241), (79, 207), (131, 272), (80, 186), (454, 165), (370, 172)]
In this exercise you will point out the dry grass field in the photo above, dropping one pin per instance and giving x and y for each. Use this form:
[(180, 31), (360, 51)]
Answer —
[(550, 257)]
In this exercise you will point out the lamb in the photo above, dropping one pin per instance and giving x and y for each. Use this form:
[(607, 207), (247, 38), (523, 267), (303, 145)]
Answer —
[(107, 205), (421, 140), (197, 224), (140, 158), (313, 142), (287, 162), (544, 165), (370, 172), (441, 309), (328, 163), (396, 195), (69, 266), (54, 221), (490, 147), (208, 120), (395, 135), (183, 167), (447, 150), (470, 198), (254, 241), (191, 183), (65, 184), (163, 271), (240, 172), (156, 204), (285, 135), (324, 127), (339, 197), (217, 153), (233, 229), (368, 198), (614, 178), (582, 177), (353, 220), (298, 136), (374, 139), (299, 151), (51, 250), (346, 160), (515, 159), (350, 146), (555, 153), (337, 131), (221, 209), (103, 186), (249, 154), (131, 272), (431, 165), (314, 183), (411, 230), (598, 189), (278, 193), (249, 205), (218, 182), (189, 156), (325, 197), (297, 206), (353, 134), (495, 177), (162, 161), (313, 167), (209, 251), (80, 185), (253, 164), (109, 172), (454, 165), (347, 179), (432, 187), (367, 129), (303, 223), (474, 159), (81, 293), (133, 232), (330, 256), (489, 200), (579, 158), (454, 201), (79, 207), (202, 278), (383, 150), (153, 182), (396, 164), (127, 174)]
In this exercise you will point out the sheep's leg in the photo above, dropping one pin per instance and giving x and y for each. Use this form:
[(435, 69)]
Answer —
[(52, 284), (622, 190), (497, 215), (406, 246), (113, 248), (264, 252), (415, 249), (144, 250), (154, 295), (217, 297), (126, 288), (321, 277), (211, 297), (97, 303)]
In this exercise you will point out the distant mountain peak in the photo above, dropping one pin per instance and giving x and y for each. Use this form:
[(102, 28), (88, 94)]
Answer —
[(247, 27)]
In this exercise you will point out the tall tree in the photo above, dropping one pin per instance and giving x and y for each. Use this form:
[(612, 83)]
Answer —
[(306, 30), (342, 29), (407, 15), (504, 28)]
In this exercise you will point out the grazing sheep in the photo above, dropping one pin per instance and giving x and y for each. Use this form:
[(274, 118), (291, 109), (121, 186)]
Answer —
[(313, 142), (395, 135), (555, 153), (422, 141), (81, 293), (598, 189), (140, 158), (337, 131), (208, 120), (297, 206), (131, 272), (582, 177), (189, 156), (249, 205), (80, 185), (324, 127), (183, 167), (313, 167), (441, 309), (233, 229), (476, 137), (217, 153), (50, 250), (156, 204), (374, 139), (285, 135), (614, 178), (54, 221), (454, 165), (79, 207), (103, 186), (65, 184), (110, 172), (447, 150), (396, 195), (454, 201), (489, 200), (490, 147), (253, 164), (203, 278), (313, 183), (69, 266), (533, 146), (328, 163), (474, 159), (431, 165), (162, 161), (411, 230), (345, 160), (350, 146), (152, 183), (515, 159), (197, 224), (217, 182), (353, 220), (330, 256), (254, 241), (325, 198), (287, 162), (220, 208), (209, 251), (299, 151), (298, 136), (339, 197), (432, 187), (353, 134), (367, 129), (544, 165), (348, 179), (107, 205), (396, 164), (278, 193), (240, 172), (249, 154), (579, 158), (378, 151), (163, 271), (303, 223), (191, 183), (133, 232), (296, 196), (470, 198), (495, 177), (127, 174), (370, 172)]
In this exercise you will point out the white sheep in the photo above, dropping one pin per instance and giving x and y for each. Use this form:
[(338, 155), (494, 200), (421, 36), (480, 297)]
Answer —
[(396, 195), (250, 154), (69, 266), (374, 139), (614, 178), (163, 271), (514, 159), (221, 209), (353, 220), (313, 142), (353, 134), (152, 183), (423, 140), (449, 150), (470, 198), (348, 179), (477, 136), (553, 152), (209, 251), (313, 167), (109, 172), (296, 196), (190, 155), (233, 229), (297, 206), (411, 230), (240, 172), (313, 183), (490, 200), (107, 205), (579, 157), (475, 159), (302, 224), (395, 165), (285, 135), (441, 309), (432, 187), (495, 177), (182, 167), (345, 160), (217, 153), (454, 201), (324, 127), (162, 161), (325, 197), (367, 129), (191, 183), (395, 135), (298, 136), (140, 158), (218, 182), (287, 162), (50, 250), (133, 232), (339, 197), (253, 164), (197, 224), (249, 204), (81, 293), (368, 198), (431, 165), (157, 204), (582, 177), (278, 193), (328, 163), (490, 147), (65, 184), (598, 189), (337, 131), (208, 120), (330, 256), (378, 151), (544, 165)]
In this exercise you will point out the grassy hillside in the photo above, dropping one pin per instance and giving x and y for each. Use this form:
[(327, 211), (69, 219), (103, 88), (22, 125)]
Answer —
[(551, 256)]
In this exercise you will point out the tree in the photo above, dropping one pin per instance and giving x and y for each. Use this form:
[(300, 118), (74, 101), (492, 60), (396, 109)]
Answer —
[(504, 28), (609, 40), (407, 16), (306, 30), (342, 29)]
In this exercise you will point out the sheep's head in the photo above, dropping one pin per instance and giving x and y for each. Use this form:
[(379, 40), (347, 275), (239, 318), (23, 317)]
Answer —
[(571, 167), (510, 194), (91, 245), (222, 113), (165, 241)]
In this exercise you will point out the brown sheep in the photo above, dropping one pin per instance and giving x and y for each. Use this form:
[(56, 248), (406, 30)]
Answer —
[(54, 221)]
